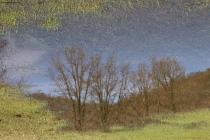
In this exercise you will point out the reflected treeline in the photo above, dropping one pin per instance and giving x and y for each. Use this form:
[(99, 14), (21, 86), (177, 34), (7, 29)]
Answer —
[(94, 94), (50, 14), (82, 80)]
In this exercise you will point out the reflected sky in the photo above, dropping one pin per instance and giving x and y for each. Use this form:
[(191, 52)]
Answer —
[(134, 35)]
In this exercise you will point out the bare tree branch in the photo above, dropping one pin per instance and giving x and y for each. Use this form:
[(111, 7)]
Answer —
[(168, 72), (72, 77)]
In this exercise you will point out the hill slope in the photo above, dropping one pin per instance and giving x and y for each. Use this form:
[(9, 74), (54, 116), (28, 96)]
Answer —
[(23, 118)]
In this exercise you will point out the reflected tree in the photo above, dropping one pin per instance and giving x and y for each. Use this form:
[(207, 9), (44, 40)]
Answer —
[(104, 92), (141, 82), (168, 73), (71, 75), (49, 14), (3, 70)]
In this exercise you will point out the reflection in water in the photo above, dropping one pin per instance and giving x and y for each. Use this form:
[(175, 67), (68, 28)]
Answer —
[(133, 35)]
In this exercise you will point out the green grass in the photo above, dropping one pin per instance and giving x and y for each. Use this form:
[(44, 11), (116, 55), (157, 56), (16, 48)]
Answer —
[(34, 122), (38, 124)]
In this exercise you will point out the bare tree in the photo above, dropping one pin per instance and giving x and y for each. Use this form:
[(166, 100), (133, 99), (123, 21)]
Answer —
[(22, 84), (167, 73), (71, 75), (120, 106), (3, 70), (104, 88), (141, 85), (124, 79)]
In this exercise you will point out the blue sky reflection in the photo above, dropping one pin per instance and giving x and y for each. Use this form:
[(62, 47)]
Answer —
[(134, 36)]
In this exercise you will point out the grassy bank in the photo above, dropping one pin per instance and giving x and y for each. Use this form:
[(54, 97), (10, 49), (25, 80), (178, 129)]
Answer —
[(25, 119)]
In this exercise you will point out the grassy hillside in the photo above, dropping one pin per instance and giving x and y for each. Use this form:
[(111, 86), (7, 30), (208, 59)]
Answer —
[(25, 119)]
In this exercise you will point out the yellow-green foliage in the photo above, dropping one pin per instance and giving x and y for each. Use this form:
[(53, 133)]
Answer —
[(48, 13), (190, 117), (33, 122), (38, 124)]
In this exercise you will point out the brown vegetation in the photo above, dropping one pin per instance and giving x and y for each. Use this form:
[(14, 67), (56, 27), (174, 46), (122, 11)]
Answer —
[(104, 82), (72, 78), (3, 70), (168, 74), (96, 95)]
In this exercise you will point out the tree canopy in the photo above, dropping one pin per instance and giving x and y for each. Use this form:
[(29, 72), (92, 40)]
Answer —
[(48, 14)]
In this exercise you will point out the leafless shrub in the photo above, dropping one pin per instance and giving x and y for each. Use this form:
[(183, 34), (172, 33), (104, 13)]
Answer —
[(72, 79), (167, 73), (104, 88)]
